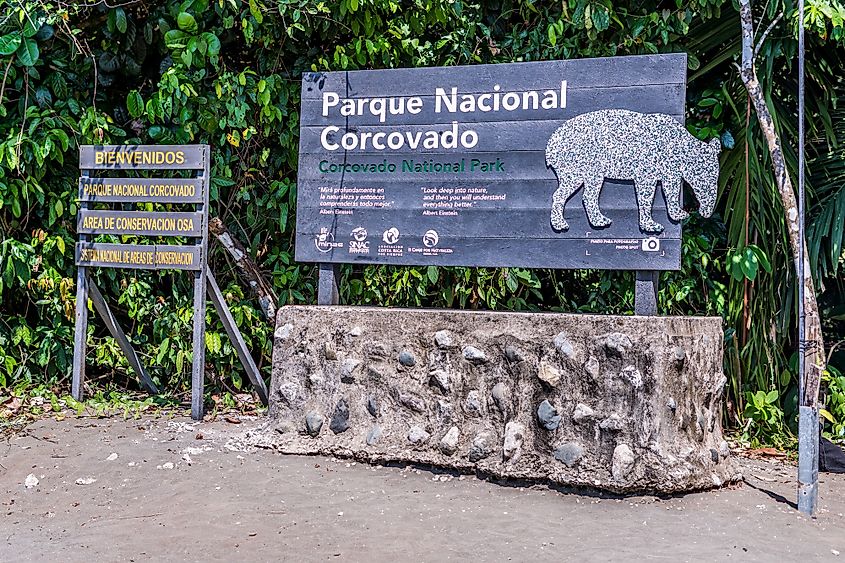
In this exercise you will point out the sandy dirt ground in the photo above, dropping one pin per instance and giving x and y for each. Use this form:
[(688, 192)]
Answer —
[(172, 490)]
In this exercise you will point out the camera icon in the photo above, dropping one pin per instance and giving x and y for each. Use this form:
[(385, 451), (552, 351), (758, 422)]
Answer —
[(651, 244)]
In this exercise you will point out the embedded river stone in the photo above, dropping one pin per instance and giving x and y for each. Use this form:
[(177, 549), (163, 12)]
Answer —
[(548, 416), (618, 406), (313, 423), (449, 442), (407, 359)]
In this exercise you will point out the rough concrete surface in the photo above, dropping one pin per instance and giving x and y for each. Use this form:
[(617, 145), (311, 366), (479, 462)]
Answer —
[(617, 403), (150, 490)]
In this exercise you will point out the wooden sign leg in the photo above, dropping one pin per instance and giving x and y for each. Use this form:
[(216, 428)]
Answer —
[(236, 337), (111, 323), (327, 284), (198, 364), (80, 334), (645, 292)]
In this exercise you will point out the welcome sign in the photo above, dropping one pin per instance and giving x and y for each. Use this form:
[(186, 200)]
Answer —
[(475, 165), (116, 215)]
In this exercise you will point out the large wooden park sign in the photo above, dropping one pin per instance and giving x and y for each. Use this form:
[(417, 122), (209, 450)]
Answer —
[(190, 254), (474, 166)]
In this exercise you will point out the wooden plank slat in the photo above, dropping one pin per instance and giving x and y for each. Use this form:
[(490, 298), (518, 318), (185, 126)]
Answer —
[(318, 170), (503, 137), (659, 98), (111, 324), (568, 253), (80, 334), (579, 73), (80, 324), (141, 157), (97, 222), (429, 192), (138, 256), (484, 223), (237, 339), (198, 360), (140, 190)]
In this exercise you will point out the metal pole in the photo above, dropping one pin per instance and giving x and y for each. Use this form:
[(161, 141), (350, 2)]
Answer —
[(800, 256), (808, 415)]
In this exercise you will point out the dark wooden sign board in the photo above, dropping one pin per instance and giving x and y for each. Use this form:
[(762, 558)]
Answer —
[(447, 167), (191, 256)]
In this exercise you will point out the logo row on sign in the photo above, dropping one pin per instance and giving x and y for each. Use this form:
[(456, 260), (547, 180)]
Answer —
[(359, 243)]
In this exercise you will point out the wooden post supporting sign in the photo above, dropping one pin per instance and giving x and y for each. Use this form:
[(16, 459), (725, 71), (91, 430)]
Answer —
[(191, 256), (328, 284)]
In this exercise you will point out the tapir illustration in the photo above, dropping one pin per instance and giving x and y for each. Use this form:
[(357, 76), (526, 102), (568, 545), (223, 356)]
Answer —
[(626, 145)]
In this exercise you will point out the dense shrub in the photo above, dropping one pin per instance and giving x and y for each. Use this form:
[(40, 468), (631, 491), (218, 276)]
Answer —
[(226, 72)]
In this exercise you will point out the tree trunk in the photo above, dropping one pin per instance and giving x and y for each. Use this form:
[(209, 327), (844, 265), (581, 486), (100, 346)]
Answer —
[(266, 296), (814, 348)]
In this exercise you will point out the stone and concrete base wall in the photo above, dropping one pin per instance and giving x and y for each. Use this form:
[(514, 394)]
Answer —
[(625, 404)]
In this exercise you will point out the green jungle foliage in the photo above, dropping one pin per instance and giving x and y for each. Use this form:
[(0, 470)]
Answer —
[(227, 73)]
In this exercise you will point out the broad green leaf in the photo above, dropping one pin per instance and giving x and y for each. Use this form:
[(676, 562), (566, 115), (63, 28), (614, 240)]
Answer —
[(120, 20), (186, 22), (213, 44), (255, 11), (43, 97), (156, 131), (175, 39), (28, 52), (64, 140), (511, 282), (693, 62), (135, 103), (761, 257), (31, 26), (748, 264), (9, 43), (163, 348), (22, 333), (601, 19)]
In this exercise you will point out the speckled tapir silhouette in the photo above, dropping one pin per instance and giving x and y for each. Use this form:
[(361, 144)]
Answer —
[(627, 145)]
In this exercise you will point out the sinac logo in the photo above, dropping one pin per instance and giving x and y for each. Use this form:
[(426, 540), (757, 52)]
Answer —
[(391, 235), (430, 238), (359, 234), (359, 243)]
